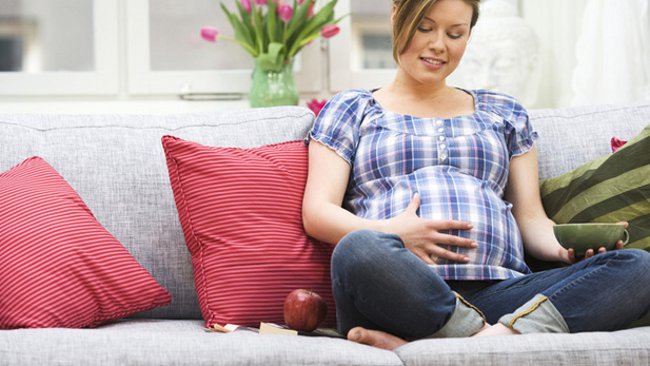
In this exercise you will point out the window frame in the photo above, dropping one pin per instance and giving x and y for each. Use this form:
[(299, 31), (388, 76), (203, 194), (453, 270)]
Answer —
[(103, 81), (342, 75)]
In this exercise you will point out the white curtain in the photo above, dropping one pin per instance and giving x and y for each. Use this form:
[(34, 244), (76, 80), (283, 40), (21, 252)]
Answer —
[(591, 51), (557, 25), (613, 56)]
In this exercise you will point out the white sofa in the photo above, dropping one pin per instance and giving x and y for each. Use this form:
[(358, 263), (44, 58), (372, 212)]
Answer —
[(116, 164)]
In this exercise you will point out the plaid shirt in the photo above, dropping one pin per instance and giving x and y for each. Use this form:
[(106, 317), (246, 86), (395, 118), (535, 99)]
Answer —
[(458, 165)]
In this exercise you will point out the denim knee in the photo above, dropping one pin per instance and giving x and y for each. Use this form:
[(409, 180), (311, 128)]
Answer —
[(359, 250), (395, 290), (637, 263)]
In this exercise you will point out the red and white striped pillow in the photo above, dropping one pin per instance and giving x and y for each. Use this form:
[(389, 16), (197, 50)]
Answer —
[(240, 210), (59, 267)]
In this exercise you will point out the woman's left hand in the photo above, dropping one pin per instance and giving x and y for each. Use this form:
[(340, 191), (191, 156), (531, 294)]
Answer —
[(571, 254)]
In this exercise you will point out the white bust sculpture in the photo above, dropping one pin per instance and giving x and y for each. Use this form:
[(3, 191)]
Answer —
[(502, 54)]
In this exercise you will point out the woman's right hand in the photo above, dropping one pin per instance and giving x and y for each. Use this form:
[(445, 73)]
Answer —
[(423, 237)]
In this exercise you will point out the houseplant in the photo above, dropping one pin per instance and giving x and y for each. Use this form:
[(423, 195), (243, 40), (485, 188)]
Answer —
[(273, 32)]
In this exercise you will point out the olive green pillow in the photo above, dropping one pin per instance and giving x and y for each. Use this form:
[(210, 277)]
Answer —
[(612, 188)]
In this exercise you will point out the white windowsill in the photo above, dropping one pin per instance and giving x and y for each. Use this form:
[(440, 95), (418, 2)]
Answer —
[(122, 107)]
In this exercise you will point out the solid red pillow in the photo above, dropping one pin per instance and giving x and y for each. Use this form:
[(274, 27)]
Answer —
[(240, 210), (59, 267)]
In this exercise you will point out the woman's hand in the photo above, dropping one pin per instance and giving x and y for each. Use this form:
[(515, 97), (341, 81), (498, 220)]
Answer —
[(423, 237), (535, 226), (570, 255)]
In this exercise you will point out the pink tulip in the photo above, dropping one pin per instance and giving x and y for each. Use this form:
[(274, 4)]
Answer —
[(316, 105), (285, 12), (261, 2), (247, 5), (210, 34), (616, 143), (310, 10), (330, 30)]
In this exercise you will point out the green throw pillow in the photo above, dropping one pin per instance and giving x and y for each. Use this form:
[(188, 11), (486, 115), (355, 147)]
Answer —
[(612, 188)]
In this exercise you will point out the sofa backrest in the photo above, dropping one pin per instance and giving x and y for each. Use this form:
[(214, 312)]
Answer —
[(570, 137), (117, 165)]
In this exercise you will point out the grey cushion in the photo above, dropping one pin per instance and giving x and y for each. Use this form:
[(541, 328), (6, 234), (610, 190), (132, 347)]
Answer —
[(178, 342), (570, 137), (627, 347), (117, 165)]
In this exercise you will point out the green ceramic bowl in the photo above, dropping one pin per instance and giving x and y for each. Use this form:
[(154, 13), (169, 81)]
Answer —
[(581, 237)]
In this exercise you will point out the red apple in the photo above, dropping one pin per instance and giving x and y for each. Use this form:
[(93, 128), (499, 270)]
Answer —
[(304, 310)]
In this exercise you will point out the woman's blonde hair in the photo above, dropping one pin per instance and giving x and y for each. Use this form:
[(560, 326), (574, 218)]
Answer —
[(407, 16)]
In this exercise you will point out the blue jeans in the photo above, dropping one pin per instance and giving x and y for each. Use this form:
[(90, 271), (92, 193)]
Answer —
[(379, 284)]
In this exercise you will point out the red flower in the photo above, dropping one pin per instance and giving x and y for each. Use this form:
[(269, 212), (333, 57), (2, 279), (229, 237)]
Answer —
[(316, 105), (330, 30), (616, 144)]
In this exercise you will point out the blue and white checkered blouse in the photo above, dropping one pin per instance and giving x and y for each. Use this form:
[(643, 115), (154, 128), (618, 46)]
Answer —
[(458, 165)]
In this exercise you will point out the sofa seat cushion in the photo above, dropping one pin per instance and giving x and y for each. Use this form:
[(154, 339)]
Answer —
[(59, 266), (626, 347), (178, 342)]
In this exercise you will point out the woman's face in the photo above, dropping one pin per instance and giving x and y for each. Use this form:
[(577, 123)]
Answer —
[(438, 43)]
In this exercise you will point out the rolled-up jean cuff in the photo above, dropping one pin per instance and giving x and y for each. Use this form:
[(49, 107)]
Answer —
[(466, 320), (538, 315)]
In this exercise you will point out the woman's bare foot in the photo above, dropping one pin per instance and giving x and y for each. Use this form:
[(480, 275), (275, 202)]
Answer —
[(375, 338), (495, 330)]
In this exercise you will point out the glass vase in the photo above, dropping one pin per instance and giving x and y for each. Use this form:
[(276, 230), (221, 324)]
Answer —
[(273, 88)]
